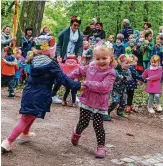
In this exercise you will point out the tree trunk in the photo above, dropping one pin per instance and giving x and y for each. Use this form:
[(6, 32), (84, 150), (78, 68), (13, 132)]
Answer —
[(31, 16)]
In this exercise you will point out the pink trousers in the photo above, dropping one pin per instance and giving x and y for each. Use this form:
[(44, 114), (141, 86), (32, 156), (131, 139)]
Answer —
[(23, 126)]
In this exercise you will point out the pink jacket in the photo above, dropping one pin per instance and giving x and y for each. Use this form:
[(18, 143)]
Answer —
[(154, 80), (98, 85)]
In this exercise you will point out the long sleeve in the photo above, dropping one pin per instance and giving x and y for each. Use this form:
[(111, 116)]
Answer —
[(79, 72), (104, 86), (157, 76), (4, 41), (59, 44), (145, 73)]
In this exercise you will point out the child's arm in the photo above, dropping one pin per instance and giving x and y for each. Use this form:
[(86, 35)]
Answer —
[(136, 75), (145, 73), (104, 86), (157, 76), (62, 78), (79, 72)]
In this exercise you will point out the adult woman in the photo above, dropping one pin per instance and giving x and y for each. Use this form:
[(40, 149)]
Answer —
[(27, 41), (70, 41), (5, 39)]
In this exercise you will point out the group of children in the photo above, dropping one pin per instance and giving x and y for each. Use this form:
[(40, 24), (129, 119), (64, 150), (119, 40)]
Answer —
[(109, 72)]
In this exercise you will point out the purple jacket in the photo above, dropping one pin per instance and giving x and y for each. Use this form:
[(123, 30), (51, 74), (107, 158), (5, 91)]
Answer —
[(98, 84), (154, 80)]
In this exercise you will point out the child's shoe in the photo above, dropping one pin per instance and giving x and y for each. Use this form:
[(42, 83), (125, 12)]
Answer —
[(5, 146), (107, 117), (11, 95), (159, 109), (122, 114), (71, 104), (64, 103), (101, 152), (128, 109), (24, 137), (75, 138), (150, 110)]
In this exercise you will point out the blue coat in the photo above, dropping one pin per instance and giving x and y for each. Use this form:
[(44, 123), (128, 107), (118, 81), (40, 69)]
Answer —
[(26, 45), (36, 97), (119, 49), (132, 83)]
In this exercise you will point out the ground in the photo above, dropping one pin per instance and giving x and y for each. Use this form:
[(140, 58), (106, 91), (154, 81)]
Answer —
[(136, 141)]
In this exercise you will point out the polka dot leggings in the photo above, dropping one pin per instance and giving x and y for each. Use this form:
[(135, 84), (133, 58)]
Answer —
[(83, 123)]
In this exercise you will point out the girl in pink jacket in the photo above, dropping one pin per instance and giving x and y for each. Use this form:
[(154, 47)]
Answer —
[(99, 80), (153, 75)]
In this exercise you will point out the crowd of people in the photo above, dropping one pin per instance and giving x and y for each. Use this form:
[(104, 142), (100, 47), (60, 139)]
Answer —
[(106, 71)]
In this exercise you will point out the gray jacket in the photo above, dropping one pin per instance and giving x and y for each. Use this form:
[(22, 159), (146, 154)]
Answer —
[(5, 41)]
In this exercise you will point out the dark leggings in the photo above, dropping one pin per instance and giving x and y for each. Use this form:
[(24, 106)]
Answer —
[(130, 95), (73, 94), (83, 123), (55, 89)]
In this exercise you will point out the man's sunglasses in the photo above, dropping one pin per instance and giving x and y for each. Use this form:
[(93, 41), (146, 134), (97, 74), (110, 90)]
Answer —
[(76, 25)]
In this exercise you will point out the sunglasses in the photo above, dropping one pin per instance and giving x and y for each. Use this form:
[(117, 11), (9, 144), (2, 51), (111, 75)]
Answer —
[(76, 25)]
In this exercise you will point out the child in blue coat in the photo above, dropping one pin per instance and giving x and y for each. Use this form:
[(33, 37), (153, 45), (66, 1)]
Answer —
[(36, 97)]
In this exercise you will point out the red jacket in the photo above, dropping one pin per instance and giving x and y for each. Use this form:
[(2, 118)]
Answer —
[(8, 68)]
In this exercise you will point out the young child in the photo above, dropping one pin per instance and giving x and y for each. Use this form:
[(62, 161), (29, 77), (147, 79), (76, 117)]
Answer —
[(141, 35), (99, 80), (36, 97), (119, 47), (147, 47), (111, 39), (118, 93), (132, 83), (138, 53), (132, 47), (9, 67), (153, 75)]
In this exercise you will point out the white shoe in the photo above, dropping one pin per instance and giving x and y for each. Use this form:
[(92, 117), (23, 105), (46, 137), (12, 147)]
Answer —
[(77, 99), (5, 146), (56, 100), (159, 109), (150, 110), (26, 137)]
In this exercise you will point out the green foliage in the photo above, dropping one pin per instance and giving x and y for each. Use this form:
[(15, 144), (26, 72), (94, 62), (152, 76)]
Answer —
[(57, 15)]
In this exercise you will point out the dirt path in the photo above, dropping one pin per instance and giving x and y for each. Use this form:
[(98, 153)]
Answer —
[(52, 146)]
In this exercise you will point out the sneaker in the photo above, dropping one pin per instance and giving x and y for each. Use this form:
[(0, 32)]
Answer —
[(5, 146), (107, 118), (75, 138), (128, 109), (101, 152), (159, 109), (77, 99), (122, 114), (24, 137), (56, 100), (150, 110), (11, 95)]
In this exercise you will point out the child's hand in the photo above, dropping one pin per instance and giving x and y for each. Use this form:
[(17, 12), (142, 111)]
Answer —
[(140, 83), (82, 88)]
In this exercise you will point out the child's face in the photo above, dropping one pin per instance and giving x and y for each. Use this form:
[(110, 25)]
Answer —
[(141, 35), (118, 41), (111, 39), (149, 38), (29, 32), (154, 64), (145, 26), (139, 43), (102, 59), (131, 44), (125, 64), (85, 45)]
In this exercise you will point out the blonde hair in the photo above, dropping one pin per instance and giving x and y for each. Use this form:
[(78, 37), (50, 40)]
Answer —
[(109, 51)]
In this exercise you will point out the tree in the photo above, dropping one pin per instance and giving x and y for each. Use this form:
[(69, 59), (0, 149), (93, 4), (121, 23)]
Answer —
[(31, 16)]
